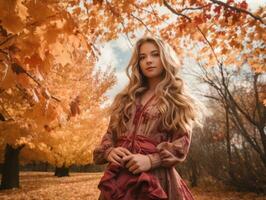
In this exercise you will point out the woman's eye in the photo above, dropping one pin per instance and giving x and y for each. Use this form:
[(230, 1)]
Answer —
[(141, 57), (155, 54)]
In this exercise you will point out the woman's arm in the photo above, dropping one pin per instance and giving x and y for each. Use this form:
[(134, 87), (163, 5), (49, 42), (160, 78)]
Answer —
[(171, 152), (107, 152), (101, 152)]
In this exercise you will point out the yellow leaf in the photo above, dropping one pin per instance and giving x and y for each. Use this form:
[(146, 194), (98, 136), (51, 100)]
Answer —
[(9, 18)]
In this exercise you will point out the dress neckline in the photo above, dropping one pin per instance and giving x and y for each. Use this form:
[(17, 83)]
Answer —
[(147, 102)]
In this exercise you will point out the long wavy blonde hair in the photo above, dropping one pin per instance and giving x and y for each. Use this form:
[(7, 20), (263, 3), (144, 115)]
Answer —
[(177, 108)]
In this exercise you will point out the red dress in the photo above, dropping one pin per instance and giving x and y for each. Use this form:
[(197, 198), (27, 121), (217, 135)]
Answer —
[(144, 136)]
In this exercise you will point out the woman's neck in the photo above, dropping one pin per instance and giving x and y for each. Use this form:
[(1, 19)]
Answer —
[(152, 83)]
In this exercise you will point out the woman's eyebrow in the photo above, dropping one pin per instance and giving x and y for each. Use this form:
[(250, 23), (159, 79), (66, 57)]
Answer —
[(153, 51)]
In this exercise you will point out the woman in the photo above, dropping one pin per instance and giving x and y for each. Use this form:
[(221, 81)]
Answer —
[(149, 130)]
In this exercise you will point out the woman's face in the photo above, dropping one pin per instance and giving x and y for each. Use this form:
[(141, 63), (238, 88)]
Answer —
[(150, 61)]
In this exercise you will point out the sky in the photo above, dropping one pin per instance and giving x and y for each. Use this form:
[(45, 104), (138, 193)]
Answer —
[(116, 54)]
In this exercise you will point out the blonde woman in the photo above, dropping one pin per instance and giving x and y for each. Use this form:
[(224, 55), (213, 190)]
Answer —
[(149, 130)]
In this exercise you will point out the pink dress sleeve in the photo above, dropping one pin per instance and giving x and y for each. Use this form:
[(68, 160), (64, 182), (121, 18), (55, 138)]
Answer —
[(178, 145), (101, 152)]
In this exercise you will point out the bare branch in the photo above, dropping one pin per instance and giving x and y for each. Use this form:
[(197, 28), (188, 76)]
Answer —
[(127, 35), (141, 22), (175, 12), (212, 97), (7, 39), (3, 52), (151, 12), (216, 58), (196, 8), (232, 98), (255, 86), (239, 124)]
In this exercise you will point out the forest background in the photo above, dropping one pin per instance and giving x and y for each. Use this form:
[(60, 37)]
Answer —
[(59, 61)]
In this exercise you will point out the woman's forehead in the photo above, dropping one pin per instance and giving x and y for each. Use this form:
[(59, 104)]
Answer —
[(148, 47)]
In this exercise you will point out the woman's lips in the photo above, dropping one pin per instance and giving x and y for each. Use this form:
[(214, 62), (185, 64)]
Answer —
[(150, 68)]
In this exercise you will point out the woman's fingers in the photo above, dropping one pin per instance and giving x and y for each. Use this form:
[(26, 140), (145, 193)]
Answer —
[(168, 159), (165, 154), (114, 161), (130, 163), (129, 160), (116, 158), (136, 171), (133, 168), (126, 151), (117, 154), (122, 152)]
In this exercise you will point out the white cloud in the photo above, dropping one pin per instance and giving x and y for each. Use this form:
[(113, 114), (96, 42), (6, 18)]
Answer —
[(122, 44), (108, 57), (254, 4), (122, 81)]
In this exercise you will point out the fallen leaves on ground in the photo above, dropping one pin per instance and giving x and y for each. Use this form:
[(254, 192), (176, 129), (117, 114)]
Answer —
[(83, 186)]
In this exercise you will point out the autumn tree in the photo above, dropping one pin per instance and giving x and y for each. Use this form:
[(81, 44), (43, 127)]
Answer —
[(244, 113), (72, 144), (230, 140), (215, 27), (47, 77), (42, 44)]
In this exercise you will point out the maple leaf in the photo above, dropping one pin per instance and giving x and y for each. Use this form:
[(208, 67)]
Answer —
[(244, 5), (198, 20), (217, 9)]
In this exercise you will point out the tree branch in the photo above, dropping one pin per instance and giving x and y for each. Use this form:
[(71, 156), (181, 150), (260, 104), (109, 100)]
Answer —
[(238, 9), (141, 22), (175, 12), (196, 8), (127, 34), (198, 28), (151, 12), (212, 97), (216, 58), (239, 124), (7, 39), (233, 100), (256, 94), (3, 52)]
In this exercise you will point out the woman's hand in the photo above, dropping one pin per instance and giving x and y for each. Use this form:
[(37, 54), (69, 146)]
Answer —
[(116, 155), (167, 158), (137, 163)]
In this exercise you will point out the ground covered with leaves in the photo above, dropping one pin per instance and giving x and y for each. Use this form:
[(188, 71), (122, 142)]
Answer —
[(83, 186)]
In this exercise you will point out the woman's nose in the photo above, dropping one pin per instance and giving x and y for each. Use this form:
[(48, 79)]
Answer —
[(149, 59)]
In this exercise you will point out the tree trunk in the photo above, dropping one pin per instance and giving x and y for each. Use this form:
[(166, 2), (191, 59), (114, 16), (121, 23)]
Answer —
[(10, 173), (262, 132), (228, 144), (194, 175), (46, 167), (61, 171)]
